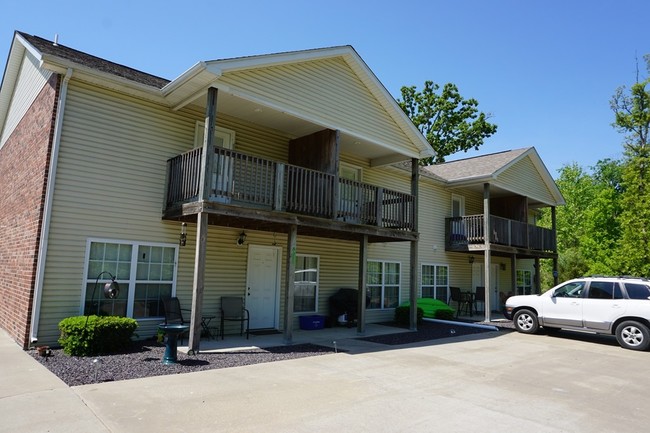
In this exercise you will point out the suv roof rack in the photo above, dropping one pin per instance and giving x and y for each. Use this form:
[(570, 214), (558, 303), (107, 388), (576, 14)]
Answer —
[(631, 277)]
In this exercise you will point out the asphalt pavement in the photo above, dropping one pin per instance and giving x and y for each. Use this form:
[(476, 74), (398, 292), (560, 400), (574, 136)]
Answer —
[(490, 382)]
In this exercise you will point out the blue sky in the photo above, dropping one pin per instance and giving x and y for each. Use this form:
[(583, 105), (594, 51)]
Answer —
[(545, 70)]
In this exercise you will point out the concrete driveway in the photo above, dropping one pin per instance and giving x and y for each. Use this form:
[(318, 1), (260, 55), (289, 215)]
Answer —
[(493, 382)]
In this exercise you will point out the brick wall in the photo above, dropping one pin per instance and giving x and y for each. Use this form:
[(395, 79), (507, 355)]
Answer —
[(24, 161)]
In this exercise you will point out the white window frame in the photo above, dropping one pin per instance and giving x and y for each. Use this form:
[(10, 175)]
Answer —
[(524, 286), (435, 286), (461, 205), (383, 285), (346, 168), (128, 285), (227, 135), (298, 283)]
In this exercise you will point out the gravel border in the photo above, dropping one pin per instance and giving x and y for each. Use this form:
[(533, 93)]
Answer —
[(144, 360)]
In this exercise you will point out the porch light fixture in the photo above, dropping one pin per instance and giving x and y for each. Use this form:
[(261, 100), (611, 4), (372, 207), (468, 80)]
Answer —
[(182, 240), (241, 239), (502, 266), (471, 259)]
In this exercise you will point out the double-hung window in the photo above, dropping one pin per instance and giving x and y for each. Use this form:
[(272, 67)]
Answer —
[(146, 273), (383, 284), (435, 281), (306, 284), (524, 282)]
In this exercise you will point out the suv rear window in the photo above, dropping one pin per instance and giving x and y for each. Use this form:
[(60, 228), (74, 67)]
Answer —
[(637, 291), (604, 290)]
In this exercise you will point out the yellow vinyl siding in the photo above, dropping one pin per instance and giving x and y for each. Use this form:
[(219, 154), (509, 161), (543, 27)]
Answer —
[(110, 185), (524, 178), (325, 89)]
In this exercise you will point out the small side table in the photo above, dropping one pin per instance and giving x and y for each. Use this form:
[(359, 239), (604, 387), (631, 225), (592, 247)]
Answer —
[(172, 332)]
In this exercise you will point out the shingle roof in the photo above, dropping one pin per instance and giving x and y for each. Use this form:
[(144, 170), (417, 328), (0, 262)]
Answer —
[(475, 167), (78, 57)]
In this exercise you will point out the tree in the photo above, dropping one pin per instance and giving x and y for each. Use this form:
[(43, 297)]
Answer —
[(588, 227), (449, 122), (632, 117)]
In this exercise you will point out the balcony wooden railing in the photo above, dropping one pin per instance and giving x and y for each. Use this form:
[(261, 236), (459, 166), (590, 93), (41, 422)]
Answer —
[(250, 181), (468, 230)]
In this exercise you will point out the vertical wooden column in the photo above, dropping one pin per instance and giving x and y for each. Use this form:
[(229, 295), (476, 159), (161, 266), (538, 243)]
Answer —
[(336, 197), (363, 271), (538, 284), (290, 279), (513, 274), (556, 279), (488, 255), (207, 157), (413, 292)]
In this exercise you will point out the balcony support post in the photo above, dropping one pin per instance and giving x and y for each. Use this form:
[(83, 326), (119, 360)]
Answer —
[(413, 292), (202, 222), (556, 279), (363, 271), (487, 257), (279, 187), (290, 279)]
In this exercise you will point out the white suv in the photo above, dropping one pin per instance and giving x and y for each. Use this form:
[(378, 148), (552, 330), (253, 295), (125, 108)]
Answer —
[(604, 305)]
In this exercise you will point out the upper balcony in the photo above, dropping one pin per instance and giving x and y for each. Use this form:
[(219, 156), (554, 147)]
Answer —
[(467, 233), (264, 194)]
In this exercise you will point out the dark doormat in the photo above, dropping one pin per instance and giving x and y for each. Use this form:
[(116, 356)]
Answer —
[(265, 332), (426, 331)]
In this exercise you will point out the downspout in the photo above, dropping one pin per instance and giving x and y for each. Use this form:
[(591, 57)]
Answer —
[(47, 211)]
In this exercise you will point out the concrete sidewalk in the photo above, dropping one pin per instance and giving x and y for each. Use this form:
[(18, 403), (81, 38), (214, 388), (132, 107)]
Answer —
[(487, 382), (34, 400)]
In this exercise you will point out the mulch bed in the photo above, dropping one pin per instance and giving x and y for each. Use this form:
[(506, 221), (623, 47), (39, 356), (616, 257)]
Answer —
[(144, 358)]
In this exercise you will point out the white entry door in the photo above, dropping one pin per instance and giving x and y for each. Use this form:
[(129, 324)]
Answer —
[(263, 286), (478, 279)]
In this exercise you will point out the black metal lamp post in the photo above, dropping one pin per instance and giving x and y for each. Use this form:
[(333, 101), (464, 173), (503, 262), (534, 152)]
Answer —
[(111, 288)]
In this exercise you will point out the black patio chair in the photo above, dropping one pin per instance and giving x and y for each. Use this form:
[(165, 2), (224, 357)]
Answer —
[(233, 310), (479, 296), (461, 299), (174, 314)]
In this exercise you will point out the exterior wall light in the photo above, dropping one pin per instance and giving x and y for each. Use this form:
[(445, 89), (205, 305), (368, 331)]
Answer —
[(182, 240)]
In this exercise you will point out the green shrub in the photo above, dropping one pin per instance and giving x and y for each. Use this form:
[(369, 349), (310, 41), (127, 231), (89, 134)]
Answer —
[(403, 315), (444, 314), (93, 335)]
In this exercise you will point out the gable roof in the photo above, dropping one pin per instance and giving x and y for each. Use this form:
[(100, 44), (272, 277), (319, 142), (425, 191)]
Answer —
[(518, 171), (392, 138), (49, 49), (316, 78)]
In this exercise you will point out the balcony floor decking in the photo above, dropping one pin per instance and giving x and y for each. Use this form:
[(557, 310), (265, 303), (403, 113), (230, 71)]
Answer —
[(228, 215)]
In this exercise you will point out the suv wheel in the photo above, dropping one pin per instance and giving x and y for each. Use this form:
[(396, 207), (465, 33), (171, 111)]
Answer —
[(633, 335), (526, 321)]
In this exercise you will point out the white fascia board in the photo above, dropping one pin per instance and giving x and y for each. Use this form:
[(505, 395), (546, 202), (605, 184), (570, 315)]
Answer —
[(184, 77), (266, 60)]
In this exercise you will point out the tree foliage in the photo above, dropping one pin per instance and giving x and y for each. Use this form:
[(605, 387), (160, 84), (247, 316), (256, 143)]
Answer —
[(605, 226), (632, 117), (449, 122), (588, 226)]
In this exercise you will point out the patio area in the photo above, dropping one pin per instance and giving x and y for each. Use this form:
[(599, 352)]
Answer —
[(338, 338)]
